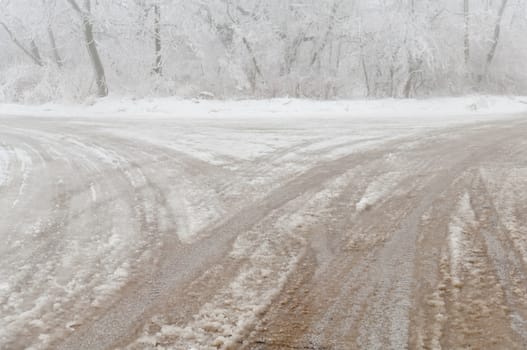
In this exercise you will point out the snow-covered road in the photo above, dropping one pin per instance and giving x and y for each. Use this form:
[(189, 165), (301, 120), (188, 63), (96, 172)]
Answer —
[(263, 233)]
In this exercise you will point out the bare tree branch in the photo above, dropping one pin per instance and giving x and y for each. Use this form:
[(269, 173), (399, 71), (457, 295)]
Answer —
[(31, 53)]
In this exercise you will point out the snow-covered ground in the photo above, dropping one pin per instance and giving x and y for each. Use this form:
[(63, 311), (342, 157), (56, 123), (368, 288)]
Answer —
[(449, 108), (185, 224)]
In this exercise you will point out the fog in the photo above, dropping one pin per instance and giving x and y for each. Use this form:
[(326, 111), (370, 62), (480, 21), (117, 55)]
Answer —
[(71, 50)]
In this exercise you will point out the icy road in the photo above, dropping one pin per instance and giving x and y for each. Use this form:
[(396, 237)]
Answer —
[(263, 233)]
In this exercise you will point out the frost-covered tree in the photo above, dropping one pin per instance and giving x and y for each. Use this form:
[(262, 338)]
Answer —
[(252, 48), (91, 44)]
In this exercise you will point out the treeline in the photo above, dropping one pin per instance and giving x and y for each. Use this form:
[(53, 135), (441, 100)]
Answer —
[(73, 49)]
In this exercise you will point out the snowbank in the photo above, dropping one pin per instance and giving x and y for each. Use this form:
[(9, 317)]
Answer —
[(174, 107)]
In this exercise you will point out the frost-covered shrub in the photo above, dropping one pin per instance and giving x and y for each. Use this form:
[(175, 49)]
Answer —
[(32, 84), (17, 81)]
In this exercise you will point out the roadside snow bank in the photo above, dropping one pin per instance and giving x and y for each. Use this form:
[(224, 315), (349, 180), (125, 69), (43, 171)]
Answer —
[(174, 107), (4, 165)]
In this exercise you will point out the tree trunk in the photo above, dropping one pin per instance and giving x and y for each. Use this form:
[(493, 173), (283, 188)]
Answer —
[(102, 88), (365, 71), (466, 15), (495, 39), (497, 32), (35, 51), (256, 66), (326, 38), (248, 47), (48, 5), (53, 42), (158, 67)]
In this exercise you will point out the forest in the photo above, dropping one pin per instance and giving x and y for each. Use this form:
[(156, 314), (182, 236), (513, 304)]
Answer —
[(74, 50)]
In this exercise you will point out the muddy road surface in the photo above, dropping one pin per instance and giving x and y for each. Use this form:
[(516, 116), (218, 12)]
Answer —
[(333, 233)]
